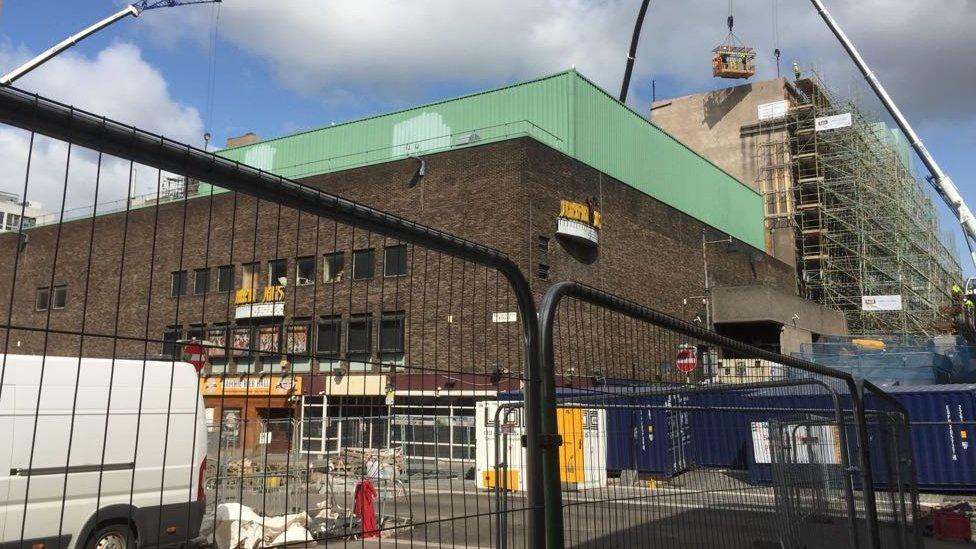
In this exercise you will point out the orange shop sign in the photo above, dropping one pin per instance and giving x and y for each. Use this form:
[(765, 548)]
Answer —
[(251, 385)]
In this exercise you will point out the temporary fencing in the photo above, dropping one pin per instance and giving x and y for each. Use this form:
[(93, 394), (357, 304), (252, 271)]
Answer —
[(333, 342), (244, 360), (664, 442)]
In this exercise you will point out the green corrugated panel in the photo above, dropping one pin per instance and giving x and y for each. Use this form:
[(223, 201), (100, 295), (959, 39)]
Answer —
[(619, 142), (564, 111)]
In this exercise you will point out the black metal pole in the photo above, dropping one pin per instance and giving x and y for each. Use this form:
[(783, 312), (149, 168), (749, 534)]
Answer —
[(633, 50)]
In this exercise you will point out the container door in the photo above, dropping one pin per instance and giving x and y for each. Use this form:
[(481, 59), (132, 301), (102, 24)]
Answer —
[(569, 423)]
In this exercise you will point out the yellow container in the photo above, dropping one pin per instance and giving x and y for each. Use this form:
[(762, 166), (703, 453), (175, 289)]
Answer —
[(488, 480)]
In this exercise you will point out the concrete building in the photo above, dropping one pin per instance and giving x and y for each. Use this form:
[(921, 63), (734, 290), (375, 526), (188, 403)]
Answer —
[(842, 202), (554, 172), (14, 213)]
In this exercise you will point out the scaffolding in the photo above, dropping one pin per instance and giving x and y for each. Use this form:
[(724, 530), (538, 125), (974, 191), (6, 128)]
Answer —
[(864, 225)]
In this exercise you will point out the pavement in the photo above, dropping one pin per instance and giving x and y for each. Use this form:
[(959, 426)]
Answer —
[(711, 511)]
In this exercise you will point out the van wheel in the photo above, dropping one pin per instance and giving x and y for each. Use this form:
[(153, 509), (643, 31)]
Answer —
[(111, 536)]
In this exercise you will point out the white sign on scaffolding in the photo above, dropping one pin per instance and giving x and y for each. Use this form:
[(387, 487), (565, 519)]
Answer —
[(776, 109), (881, 303), (824, 123)]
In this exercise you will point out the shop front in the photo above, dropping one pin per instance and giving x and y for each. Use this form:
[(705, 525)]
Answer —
[(253, 415)]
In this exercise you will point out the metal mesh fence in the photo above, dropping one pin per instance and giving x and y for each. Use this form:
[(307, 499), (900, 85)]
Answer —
[(248, 362), (674, 435)]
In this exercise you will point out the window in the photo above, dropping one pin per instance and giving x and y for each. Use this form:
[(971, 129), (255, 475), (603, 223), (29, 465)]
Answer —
[(42, 299), (543, 243), (170, 337), (395, 260), (543, 271), (225, 278), (391, 338), (177, 285), (359, 341), (249, 273), (305, 271), (333, 267), (330, 329), (277, 272), (201, 281), (362, 264), (59, 298)]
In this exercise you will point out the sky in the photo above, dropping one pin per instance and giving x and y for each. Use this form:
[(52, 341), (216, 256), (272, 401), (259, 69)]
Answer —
[(278, 67)]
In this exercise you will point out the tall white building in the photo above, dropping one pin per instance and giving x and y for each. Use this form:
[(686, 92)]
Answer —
[(14, 213)]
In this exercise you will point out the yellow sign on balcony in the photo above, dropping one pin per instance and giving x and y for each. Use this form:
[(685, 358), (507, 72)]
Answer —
[(268, 294)]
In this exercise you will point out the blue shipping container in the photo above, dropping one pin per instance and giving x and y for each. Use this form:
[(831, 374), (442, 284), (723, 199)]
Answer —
[(649, 437)]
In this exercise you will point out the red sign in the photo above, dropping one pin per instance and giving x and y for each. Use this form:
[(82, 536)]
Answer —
[(687, 360), (195, 354)]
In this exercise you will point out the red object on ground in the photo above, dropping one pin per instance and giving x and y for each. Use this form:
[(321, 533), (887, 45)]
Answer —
[(364, 496), (950, 525)]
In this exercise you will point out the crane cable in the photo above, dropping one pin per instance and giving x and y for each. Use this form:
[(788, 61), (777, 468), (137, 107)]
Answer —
[(211, 71), (776, 52)]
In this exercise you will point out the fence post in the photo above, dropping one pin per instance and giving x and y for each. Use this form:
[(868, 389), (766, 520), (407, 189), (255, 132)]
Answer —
[(864, 453)]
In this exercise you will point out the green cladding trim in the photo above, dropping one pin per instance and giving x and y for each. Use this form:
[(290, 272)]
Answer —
[(564, 111)]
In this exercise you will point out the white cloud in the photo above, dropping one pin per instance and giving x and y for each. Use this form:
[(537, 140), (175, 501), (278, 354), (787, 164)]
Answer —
[(118, 83), (384, 47)]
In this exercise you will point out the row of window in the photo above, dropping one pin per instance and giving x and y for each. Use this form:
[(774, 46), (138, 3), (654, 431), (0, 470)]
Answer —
[(52, 297), (331, 337), (333, 270), (12, 222)]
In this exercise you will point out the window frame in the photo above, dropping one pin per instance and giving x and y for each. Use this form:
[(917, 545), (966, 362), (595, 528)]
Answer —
[(335, 321), (63, 288), (398, 317), (230, 281), (386, 260), (298, 263), (327, 267), (255, 270), (205, 271), (174, 289), (38, 306), (273, 280), (372, 263), (367, 319)]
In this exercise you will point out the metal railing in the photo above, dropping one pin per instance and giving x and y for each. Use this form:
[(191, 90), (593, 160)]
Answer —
[(785, 457), (213, 276)]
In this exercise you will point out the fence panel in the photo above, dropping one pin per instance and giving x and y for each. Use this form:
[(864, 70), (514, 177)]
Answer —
[(674, 435), (333, 344)]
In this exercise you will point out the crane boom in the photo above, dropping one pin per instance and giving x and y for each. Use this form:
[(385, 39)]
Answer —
[(134, 10), (943, 184)]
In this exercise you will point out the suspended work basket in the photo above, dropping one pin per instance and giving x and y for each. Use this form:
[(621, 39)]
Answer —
[(731, 61)]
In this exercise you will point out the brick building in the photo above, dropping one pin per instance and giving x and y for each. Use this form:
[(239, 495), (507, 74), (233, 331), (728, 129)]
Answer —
[(555, 173)]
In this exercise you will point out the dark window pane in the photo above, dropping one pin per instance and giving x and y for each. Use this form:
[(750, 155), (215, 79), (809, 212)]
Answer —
[(60, 297), (178, 284), (362, 264), (391, 333), (395, 261), (169, 342), (360, 334), (277, 270), (201, 281), (333, 267), (41, 299), (305, 271), (328, 336), (225, 278)]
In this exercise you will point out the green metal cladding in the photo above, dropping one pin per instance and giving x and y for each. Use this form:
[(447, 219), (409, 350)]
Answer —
[(565, 111)]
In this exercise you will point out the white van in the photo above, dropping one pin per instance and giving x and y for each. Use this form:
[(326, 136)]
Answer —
[(99, 453)]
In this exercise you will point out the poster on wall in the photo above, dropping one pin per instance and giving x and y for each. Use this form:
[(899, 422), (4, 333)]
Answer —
[(218, 342), (298, 339), (268, 339), (242, 341)]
